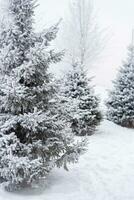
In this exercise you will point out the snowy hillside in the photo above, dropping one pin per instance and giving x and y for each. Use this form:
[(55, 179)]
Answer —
[(105, 172)]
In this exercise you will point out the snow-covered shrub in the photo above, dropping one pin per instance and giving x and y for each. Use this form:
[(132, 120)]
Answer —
[(33, 135)]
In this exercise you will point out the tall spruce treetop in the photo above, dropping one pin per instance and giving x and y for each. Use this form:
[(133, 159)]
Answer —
[(18, 38), (33, 138), (25, 60), (121, 99), (81, 103)]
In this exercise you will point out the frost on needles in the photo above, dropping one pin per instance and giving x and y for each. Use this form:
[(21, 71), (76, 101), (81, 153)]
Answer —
[(121, 99), (33, 135)]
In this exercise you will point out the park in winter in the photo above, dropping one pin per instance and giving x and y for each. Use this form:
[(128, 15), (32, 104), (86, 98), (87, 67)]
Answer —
[(66, 99)]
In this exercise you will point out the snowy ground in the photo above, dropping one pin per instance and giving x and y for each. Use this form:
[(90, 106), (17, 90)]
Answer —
[(105, 172)]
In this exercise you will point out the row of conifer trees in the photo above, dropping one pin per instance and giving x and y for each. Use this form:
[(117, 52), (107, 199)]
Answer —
[(40, 116)]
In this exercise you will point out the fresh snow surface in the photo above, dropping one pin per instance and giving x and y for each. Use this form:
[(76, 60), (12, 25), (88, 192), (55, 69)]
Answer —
[(104, 172)]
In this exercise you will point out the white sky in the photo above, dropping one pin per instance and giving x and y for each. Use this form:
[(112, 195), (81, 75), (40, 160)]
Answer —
[(116, 15)]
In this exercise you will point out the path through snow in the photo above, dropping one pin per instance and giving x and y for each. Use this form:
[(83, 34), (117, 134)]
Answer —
[(105, 172)]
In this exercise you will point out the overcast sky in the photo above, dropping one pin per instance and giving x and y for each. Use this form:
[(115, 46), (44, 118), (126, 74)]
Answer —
[(115, 15)]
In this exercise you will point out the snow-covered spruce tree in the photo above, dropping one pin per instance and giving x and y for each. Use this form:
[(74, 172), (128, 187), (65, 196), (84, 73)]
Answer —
[(120, 104), (79, 101), (33, 138)]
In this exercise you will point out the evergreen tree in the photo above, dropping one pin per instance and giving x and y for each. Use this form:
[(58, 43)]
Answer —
[(120, 104), (81, 103), (33, 137)]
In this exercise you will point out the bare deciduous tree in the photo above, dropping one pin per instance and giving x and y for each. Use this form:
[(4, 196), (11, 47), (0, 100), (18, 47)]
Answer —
[(83, 38)]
